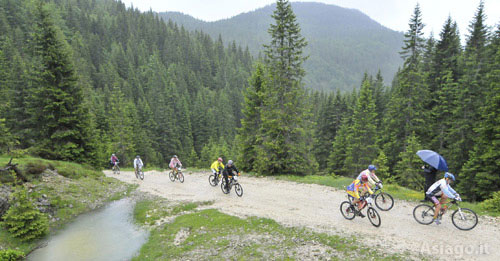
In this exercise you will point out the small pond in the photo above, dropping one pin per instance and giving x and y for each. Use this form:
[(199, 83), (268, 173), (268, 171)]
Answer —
[(105, 234)]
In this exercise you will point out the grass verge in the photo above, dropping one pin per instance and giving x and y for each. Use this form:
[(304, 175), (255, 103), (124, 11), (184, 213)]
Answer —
[(212, 235)]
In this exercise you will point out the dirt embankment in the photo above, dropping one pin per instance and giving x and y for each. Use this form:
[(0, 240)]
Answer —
[(317, 207)]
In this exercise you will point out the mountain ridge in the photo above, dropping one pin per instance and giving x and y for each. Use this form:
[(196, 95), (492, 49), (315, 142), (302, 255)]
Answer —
[(343, 44)]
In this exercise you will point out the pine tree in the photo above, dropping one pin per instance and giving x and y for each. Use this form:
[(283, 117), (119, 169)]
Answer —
[(57, 103), (472, 90), (480, 176), (414, 41), (406, 112), (251, 121), (407, 169), (284, 145), (362, 138)]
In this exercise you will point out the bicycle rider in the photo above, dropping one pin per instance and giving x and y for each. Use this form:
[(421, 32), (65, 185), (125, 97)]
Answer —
[(114, 160), (442, 188), (372, 178), (138, 163), (217, 166), (353, 190), (175, 163), (228, 171)]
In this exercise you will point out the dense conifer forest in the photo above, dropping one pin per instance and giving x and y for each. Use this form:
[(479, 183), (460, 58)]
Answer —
[(81, 79)]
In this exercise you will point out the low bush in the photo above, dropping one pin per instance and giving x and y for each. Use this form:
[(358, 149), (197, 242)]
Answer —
[(22, 219), (11, 255), (492, 204)]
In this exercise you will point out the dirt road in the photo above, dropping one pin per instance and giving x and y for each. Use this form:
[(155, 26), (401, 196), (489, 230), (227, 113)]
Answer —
[(317, 207)]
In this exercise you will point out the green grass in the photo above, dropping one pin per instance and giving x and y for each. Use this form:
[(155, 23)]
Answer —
[(212, 235), (149, 211), (398, 192)]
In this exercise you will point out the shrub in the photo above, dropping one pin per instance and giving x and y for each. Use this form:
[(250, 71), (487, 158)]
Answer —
[(23, 220), (11, 255), (492, 204), (37, 167)]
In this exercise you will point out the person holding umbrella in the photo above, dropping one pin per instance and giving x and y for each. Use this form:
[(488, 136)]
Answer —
[(430, 177), (434, 162)]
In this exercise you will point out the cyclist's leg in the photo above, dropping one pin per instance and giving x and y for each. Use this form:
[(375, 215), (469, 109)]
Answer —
[(442, 202), (226, 179), (437, 206)]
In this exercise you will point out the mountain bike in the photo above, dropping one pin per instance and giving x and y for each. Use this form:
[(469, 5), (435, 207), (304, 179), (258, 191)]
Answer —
[(462, 218), (233, 182), (116, 168), (139, 173), (173, 175), (350, 210), (214, 179), (383, 200)]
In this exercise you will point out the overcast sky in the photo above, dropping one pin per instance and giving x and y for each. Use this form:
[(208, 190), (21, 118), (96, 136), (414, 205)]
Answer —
[(391, 13)]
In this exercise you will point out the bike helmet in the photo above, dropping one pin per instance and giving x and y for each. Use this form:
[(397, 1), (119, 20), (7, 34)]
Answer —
[(219, 159), (229, 162), (175, 156), (364, 178), (138, 156), (113, 154), (372, 167), (449, 175)]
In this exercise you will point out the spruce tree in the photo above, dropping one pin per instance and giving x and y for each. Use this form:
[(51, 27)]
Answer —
[(57, 103), (480, 176), (284, 144), (408, 172), (251, 121), (472, 92), (361, 141)]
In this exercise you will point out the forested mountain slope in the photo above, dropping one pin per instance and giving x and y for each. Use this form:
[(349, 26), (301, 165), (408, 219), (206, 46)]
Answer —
[(81, 79), (343, 43)]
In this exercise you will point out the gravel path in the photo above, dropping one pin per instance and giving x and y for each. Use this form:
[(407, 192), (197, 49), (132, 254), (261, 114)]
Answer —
[(317, 207)]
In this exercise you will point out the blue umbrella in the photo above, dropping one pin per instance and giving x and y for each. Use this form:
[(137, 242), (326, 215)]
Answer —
[(434, 159)]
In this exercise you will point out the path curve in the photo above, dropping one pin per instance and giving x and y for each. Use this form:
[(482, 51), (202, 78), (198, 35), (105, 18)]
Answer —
[(317, 207)]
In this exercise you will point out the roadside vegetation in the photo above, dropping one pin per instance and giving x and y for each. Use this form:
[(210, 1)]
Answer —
[(209, 234), (54, 194)]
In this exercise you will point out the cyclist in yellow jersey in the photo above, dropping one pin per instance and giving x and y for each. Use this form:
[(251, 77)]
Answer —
[(353, 190), (217, 166)]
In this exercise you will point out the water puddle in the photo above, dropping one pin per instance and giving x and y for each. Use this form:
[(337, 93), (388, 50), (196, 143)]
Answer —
[(105, 234)]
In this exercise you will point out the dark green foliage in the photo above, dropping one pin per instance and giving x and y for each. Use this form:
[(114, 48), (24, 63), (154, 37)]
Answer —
[(23, 220), (492, 204), (480, 176), (361, 140), (251, 122), (96, 78), (282, 144), (11, 255)]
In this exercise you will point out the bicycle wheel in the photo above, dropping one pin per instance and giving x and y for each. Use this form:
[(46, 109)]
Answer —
[(374, 217), (136, 174), (141, 174), (212, 179), (464, 219), (223, 187), (238, 189), (384, 201), (180, 176), (171, 176), (423, 214), (347, 210)]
